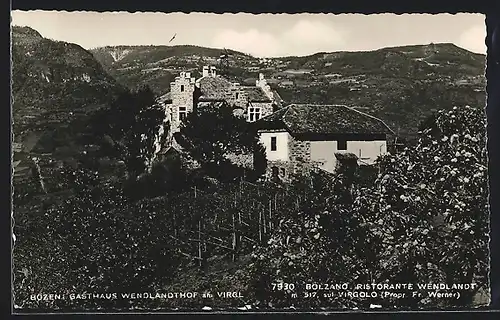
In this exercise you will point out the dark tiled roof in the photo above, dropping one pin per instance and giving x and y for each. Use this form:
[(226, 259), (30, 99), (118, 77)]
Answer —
[(300, 119), (255, 94), (273, 121), (213, 88)]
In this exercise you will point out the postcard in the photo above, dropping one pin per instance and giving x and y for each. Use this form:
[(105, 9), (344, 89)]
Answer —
[(203, 162)]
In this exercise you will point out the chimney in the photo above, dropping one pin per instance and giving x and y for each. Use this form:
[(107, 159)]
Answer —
[(205, 71), (261, 76), (212, 71), (188, 75)]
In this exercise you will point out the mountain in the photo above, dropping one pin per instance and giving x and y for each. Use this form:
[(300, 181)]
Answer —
[(157, 66), (55, 85), (400, 85), (56, 88)]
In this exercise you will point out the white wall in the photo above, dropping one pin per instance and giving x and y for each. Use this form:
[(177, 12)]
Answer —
[(367, 151), (282, 139), (324, 151)]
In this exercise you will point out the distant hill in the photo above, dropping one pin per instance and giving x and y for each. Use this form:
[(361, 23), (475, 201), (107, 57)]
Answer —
[(54, 84), (401, 85), (56, 88), (157, 66)]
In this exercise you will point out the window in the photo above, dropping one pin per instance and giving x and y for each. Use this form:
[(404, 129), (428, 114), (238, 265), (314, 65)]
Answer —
[(237, 95), (273, 144), (182, 88), (253, 114), (182, 113), (341, 145)]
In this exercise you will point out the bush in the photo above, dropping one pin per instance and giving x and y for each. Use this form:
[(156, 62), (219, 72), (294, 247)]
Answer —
[(213, 135), (423, 220), (94, 242), (131, 125), (427, 212)]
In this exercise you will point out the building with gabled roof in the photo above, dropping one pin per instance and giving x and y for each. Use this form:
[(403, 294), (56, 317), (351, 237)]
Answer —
[(187, 93), (303, 135)]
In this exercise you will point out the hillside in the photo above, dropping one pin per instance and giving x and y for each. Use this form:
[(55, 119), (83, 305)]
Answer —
[(54, 85), (401, 85), (157, 66)]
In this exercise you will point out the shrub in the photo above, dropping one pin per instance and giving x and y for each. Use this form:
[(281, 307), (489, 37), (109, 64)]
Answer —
[(94, 242)]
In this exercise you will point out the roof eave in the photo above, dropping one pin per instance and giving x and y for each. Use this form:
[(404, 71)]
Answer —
[(211, 99), (260, 101)]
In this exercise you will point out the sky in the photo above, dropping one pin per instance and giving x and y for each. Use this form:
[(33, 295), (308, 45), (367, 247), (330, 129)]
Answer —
[(263, 35)]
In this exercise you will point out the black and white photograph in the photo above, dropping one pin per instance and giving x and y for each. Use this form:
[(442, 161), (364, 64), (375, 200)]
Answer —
[(202, 162)]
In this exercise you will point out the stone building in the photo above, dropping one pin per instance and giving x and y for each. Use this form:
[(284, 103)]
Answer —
[(187, 93), (301, 136)]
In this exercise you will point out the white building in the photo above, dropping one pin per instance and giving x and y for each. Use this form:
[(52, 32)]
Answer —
[(302, 135)]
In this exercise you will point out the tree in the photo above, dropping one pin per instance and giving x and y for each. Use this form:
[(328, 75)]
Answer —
[(427, 215), (130, 129), (423, 220), (222, 143)]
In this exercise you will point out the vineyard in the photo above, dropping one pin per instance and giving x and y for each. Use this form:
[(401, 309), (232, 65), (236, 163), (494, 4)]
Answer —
[(419, 216), (231, 221)]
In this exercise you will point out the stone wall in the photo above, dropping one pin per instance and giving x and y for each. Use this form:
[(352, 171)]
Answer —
[(262, 83), (236, 96), (295, 158), (182, 94), (300, 154), (241, 159)]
